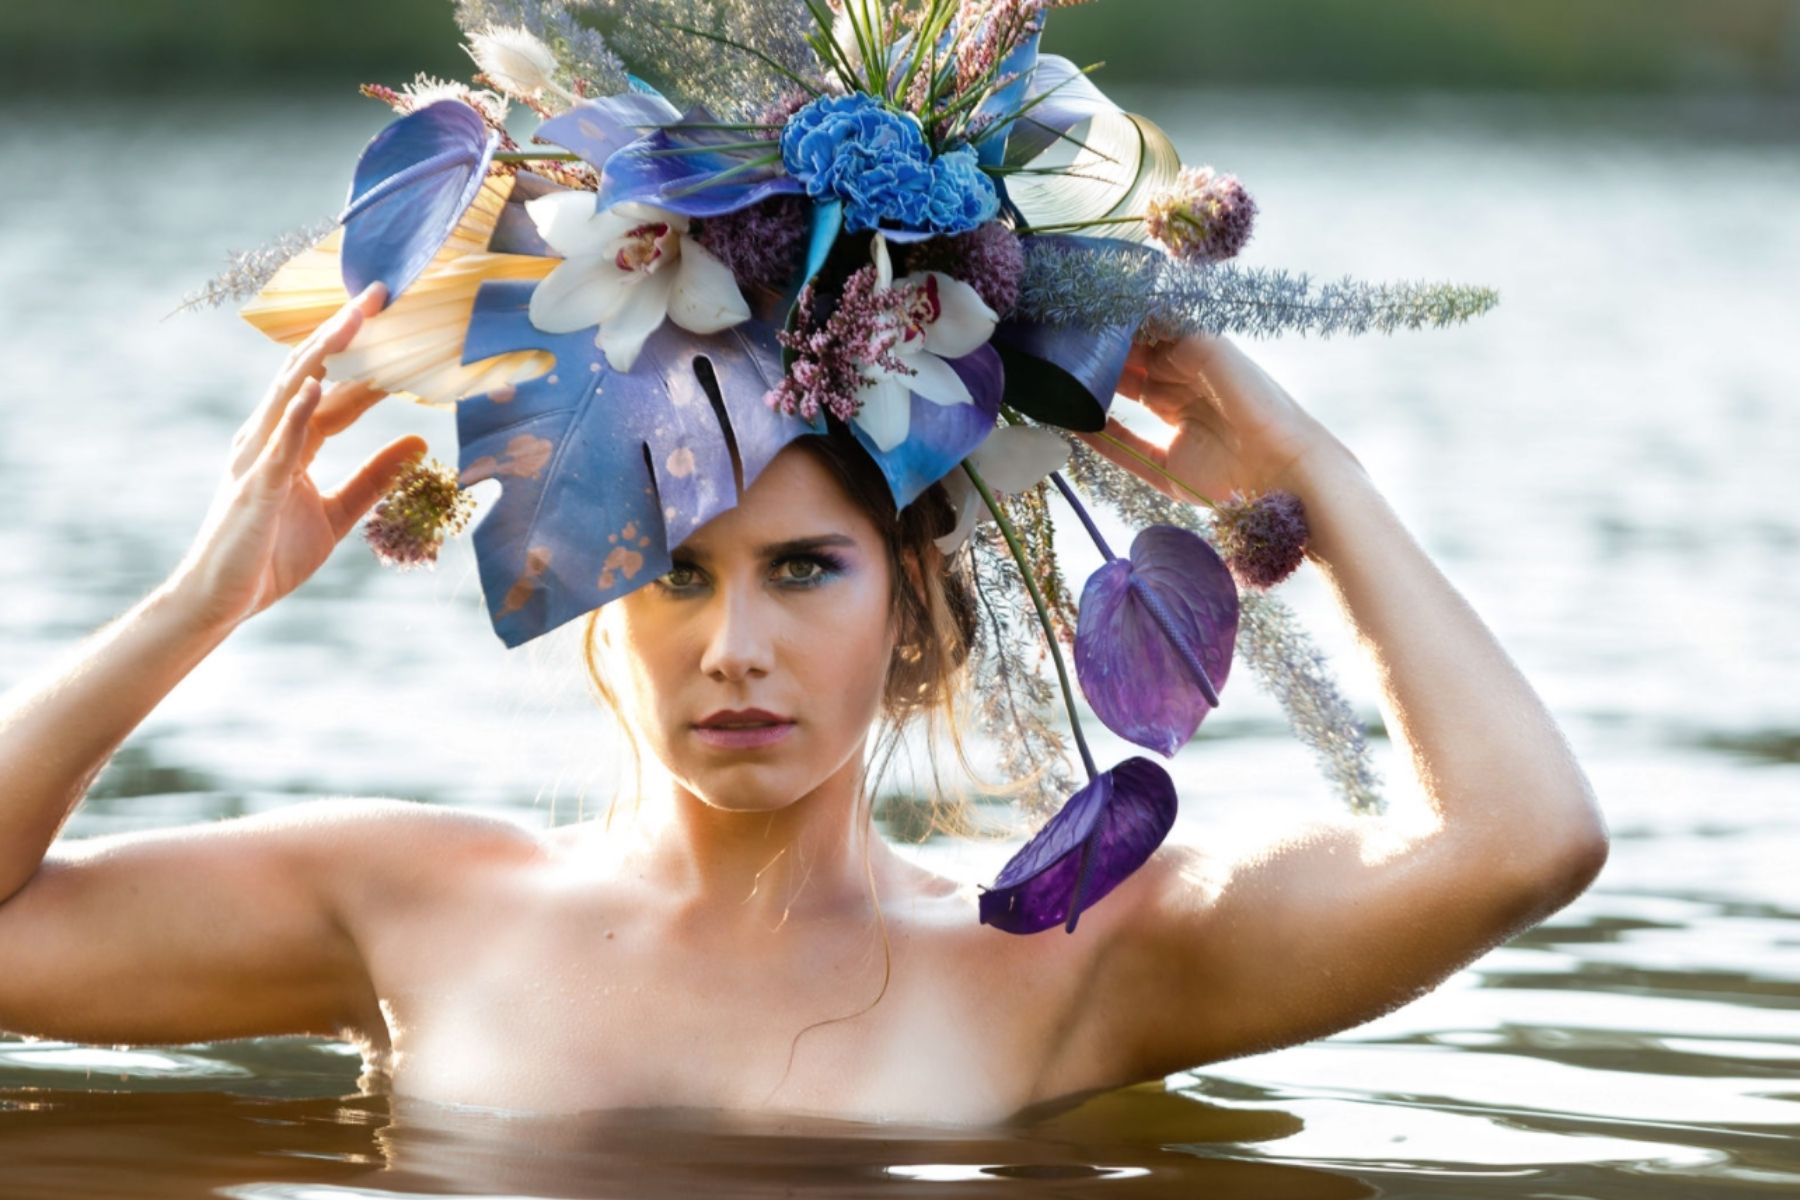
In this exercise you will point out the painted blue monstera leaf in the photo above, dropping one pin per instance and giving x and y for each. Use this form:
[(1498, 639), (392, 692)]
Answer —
[(602, 471), (412, 184)]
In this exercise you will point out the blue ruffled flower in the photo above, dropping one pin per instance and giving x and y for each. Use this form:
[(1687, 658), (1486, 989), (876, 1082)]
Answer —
[(962, 195), (874, 160)]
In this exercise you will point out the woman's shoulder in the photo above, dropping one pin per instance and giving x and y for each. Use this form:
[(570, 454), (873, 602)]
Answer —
[(390, 843), (412, 821)]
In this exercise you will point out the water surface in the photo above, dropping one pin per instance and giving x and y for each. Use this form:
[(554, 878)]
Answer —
[(1604, 466)]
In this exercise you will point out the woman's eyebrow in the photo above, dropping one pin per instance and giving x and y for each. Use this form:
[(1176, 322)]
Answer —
[(802, 545)]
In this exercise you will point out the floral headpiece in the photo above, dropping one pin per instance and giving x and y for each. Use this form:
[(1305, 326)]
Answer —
[(882, 215)]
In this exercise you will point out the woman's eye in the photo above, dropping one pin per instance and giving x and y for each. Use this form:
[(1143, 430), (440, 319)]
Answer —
[(679, 577), (802, 569)]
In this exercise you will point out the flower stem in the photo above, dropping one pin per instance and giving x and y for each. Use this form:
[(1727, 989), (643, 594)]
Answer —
[(1043, 611), (528, 155), (1110, 440), (1082, 512)]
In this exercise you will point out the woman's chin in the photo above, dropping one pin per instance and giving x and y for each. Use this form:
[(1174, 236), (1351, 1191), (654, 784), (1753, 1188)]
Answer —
[(745, 785)]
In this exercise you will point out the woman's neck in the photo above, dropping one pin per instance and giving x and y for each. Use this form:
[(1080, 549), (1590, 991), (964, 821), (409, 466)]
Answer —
[(809, 860)]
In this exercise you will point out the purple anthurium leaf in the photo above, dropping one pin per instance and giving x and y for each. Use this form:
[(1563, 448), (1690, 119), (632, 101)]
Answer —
[(1102, 834), (412, 185), (597, 128), (1145, 622), (941, 435), (601, 472), (696, 181)]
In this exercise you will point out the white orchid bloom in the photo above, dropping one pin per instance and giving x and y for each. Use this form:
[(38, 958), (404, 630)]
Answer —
[(947, 319), (626, 269), (1011, 459)]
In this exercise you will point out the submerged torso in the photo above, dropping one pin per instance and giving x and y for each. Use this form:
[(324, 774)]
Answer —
[(530, 980)]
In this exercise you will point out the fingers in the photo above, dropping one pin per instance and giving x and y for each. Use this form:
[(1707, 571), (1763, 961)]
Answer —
[(1131, 380), (1123, 448), (306, 361), (279, 459), (343, 404), (1133, 377), (337, 411), (368, 483)]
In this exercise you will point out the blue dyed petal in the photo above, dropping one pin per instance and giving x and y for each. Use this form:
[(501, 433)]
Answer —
[(1144, 622), (515, 232), (601, 471), (412, 185), (941, 435), (701, 184), (990, 149), (595, 129), (1100, 836), (1066, 374)]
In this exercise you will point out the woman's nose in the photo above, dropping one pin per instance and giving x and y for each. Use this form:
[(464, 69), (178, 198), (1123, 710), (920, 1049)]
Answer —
[(739, 644)]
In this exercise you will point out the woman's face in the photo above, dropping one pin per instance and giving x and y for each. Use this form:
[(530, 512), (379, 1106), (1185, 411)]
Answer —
[(754, 668)]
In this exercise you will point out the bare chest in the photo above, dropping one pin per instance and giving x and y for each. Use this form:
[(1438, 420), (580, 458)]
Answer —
[(554, 1011)]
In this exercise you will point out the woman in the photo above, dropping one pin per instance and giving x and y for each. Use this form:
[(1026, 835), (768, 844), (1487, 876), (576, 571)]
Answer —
[(676, 962)]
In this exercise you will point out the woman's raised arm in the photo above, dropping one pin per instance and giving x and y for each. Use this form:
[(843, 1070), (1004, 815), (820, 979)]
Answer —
[(266, 531), (1207, 958), (138, 935)]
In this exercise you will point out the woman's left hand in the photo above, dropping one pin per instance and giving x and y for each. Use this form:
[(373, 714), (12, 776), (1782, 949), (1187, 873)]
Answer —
[(1235, 428)]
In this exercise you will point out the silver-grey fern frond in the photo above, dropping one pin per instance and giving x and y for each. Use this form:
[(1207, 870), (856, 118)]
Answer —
[(1011, 695), (251, 270), (1165, 298), (733, 84)]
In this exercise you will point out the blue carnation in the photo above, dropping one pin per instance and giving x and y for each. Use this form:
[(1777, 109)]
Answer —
[(962, 195), (834, 137), (850, 148)]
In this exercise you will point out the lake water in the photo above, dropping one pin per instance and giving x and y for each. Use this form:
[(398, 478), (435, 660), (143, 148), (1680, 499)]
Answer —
[(1605, 466)]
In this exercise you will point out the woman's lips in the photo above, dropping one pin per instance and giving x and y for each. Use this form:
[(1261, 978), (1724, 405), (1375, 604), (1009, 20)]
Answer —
[(746, 730)]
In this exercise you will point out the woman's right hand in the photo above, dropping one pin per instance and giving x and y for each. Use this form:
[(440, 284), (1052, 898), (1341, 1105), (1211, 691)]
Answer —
[(268, 528)]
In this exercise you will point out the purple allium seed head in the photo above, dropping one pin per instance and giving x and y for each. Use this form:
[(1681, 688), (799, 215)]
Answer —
[(1202, 216), (424, 505), (989, 258), (1262, 539), (761, 243)]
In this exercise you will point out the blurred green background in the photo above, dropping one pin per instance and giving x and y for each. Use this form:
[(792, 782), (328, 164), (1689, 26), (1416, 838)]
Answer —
[(1739, 46)]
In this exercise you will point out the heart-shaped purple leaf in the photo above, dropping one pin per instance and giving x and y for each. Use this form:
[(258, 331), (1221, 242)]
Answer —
[(1102, 834), (941, 435), (411, 186), (697, 171), (602, 471), (1155, 633)]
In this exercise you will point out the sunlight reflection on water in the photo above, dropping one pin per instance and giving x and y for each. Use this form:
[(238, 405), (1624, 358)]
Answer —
[(1604, 465)]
